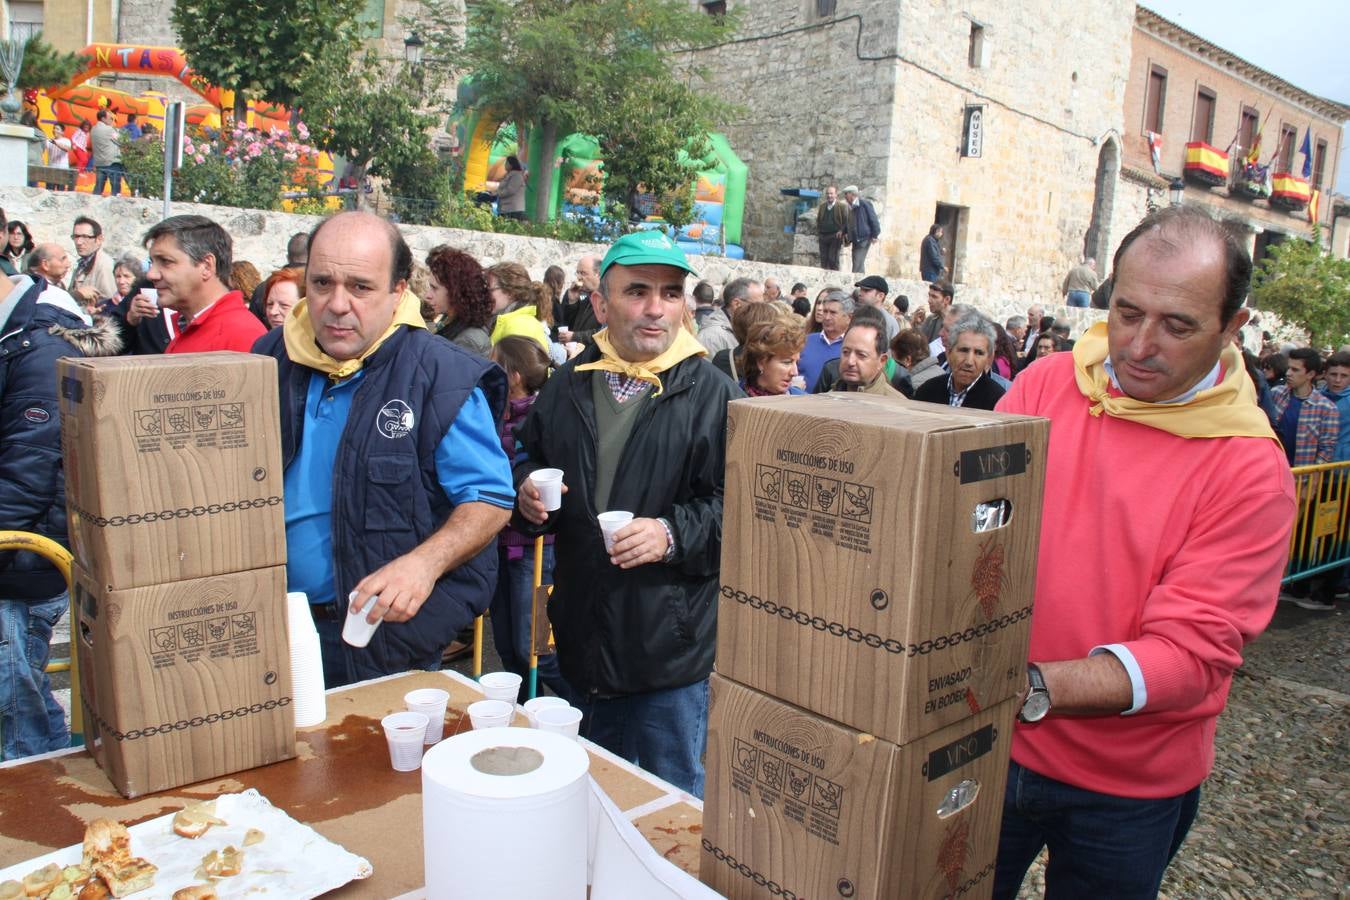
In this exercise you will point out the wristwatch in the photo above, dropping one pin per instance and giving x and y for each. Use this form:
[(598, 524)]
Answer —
[(1036, 706)]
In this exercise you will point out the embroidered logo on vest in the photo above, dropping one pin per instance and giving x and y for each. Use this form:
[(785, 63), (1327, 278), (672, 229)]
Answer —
[(395, 420)]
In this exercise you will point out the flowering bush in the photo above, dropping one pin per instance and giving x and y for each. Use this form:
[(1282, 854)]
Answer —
[(247, 168)]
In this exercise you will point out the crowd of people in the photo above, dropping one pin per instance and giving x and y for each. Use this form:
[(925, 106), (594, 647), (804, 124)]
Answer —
[(419, 396)]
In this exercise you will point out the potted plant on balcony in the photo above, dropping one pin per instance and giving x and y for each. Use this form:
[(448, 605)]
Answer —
[(1252, 182)]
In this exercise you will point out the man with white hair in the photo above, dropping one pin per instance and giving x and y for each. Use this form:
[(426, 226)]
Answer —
[(970, 354)]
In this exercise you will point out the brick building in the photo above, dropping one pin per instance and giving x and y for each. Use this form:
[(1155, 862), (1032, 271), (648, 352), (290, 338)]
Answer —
[(1208, 106)]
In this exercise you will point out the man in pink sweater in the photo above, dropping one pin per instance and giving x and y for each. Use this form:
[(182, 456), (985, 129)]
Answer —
[(1165, 533)]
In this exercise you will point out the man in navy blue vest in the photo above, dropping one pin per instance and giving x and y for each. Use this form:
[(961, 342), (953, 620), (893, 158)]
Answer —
[(396, 483)]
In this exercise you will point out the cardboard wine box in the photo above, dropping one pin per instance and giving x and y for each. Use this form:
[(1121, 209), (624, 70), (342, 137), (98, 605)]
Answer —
[(797, 805), (879, 557), (187, 680), (173, 466)]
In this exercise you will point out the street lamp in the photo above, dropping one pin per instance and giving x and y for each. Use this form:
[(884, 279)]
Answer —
[(412, 49), (1175, 190)]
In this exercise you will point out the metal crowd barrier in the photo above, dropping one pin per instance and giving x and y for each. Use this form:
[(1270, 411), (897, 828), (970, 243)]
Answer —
[(1321, 539)]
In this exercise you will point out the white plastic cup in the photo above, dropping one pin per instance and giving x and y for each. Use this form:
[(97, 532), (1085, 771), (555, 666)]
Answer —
[(533, 705), (430, 702), (490, 714), (564, 720), (611, 523), (404, 731), (504, 686), (799, 382), (356, 630), (549, 483), (151, 294)]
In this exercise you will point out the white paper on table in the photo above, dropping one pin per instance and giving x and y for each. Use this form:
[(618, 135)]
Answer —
[(293, 860), (623, 865)]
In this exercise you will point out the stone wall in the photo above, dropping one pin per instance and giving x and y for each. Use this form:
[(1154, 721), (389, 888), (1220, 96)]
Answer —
[(260, 238), (876, 95)]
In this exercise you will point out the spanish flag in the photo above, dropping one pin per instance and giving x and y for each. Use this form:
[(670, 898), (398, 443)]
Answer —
[(1312, 205), (1254, 154)]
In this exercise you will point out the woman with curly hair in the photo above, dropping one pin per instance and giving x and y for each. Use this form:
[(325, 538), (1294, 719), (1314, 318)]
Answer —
[(459, 298), (747, 317), (768, 358)]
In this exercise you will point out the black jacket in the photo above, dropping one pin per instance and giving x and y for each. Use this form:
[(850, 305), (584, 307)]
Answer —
[(653, 627), (579, 318), (983, 394), (32, 479)]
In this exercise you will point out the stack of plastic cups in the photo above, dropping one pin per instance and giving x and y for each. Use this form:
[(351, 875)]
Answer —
[(307, 696)]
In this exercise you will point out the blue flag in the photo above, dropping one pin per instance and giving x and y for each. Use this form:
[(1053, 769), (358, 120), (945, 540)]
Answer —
[(1306, 150)]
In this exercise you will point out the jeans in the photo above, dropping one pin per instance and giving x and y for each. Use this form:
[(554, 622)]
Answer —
[(31, 721), (860, 249), (664, 732), (1100, 845), (1079, 298), (512, 608), (112, 174)]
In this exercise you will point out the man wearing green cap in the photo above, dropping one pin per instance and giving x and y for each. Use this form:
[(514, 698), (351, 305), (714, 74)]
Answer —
[(637, 423)]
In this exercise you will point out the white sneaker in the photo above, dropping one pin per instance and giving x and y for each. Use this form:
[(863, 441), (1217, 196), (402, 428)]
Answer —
[(1309, 603)]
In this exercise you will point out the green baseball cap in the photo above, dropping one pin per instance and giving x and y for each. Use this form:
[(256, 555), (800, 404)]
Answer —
[(645, 248)]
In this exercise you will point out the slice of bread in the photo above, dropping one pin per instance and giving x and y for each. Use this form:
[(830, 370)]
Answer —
[(106, 841), (41, 882), (128, 877), (94, 889), (12, 890), (193, 822), (195, 892)]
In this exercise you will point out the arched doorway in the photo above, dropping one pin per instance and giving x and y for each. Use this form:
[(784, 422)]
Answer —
[(1097, 240)]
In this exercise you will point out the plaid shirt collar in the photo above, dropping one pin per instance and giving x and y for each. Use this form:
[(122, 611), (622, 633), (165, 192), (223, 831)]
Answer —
[(955, 399), (624, 388)]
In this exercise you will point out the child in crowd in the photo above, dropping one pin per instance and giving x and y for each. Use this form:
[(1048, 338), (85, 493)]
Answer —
[(527, 368)]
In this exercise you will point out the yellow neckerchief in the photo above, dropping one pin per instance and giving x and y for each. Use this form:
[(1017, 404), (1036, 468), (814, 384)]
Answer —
[(684, 346), (1226, 410), (303, 347)]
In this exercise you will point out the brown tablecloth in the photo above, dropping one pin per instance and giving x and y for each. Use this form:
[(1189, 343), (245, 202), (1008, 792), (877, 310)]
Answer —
[(340, 784)]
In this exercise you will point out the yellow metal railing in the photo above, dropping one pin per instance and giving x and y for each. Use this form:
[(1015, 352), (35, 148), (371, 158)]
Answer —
[(1321, 538), (60, 557)]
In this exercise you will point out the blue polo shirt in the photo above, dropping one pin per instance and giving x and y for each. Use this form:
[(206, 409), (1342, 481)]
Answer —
[(470, 466), (817, 352)]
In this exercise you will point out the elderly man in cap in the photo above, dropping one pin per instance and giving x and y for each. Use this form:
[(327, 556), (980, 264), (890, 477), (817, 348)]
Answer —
[(636, 423), (863, 226)]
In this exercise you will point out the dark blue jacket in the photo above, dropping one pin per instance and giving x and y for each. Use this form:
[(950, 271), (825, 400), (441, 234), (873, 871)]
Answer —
[(387, 498), (865, 226), (32, 479)]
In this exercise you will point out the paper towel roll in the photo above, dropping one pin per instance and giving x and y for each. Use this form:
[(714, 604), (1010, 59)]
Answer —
[(307, 688), (504, 815)]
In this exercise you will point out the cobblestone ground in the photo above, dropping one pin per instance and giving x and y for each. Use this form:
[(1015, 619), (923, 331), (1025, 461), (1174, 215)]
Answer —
[(1275, 814)]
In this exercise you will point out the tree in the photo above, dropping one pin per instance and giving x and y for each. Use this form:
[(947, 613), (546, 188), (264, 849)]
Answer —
[(264, 49), (609, 68), (46, 67), (1302, 284), (369, 114)]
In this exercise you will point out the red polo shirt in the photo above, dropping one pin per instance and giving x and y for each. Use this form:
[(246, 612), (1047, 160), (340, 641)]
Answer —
[(226, 325)]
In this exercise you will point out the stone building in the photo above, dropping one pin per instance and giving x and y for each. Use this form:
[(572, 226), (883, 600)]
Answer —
[(983, 116), (1208, 106)]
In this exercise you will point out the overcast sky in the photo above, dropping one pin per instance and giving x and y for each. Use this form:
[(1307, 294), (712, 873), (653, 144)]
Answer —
[(1302, 42)]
